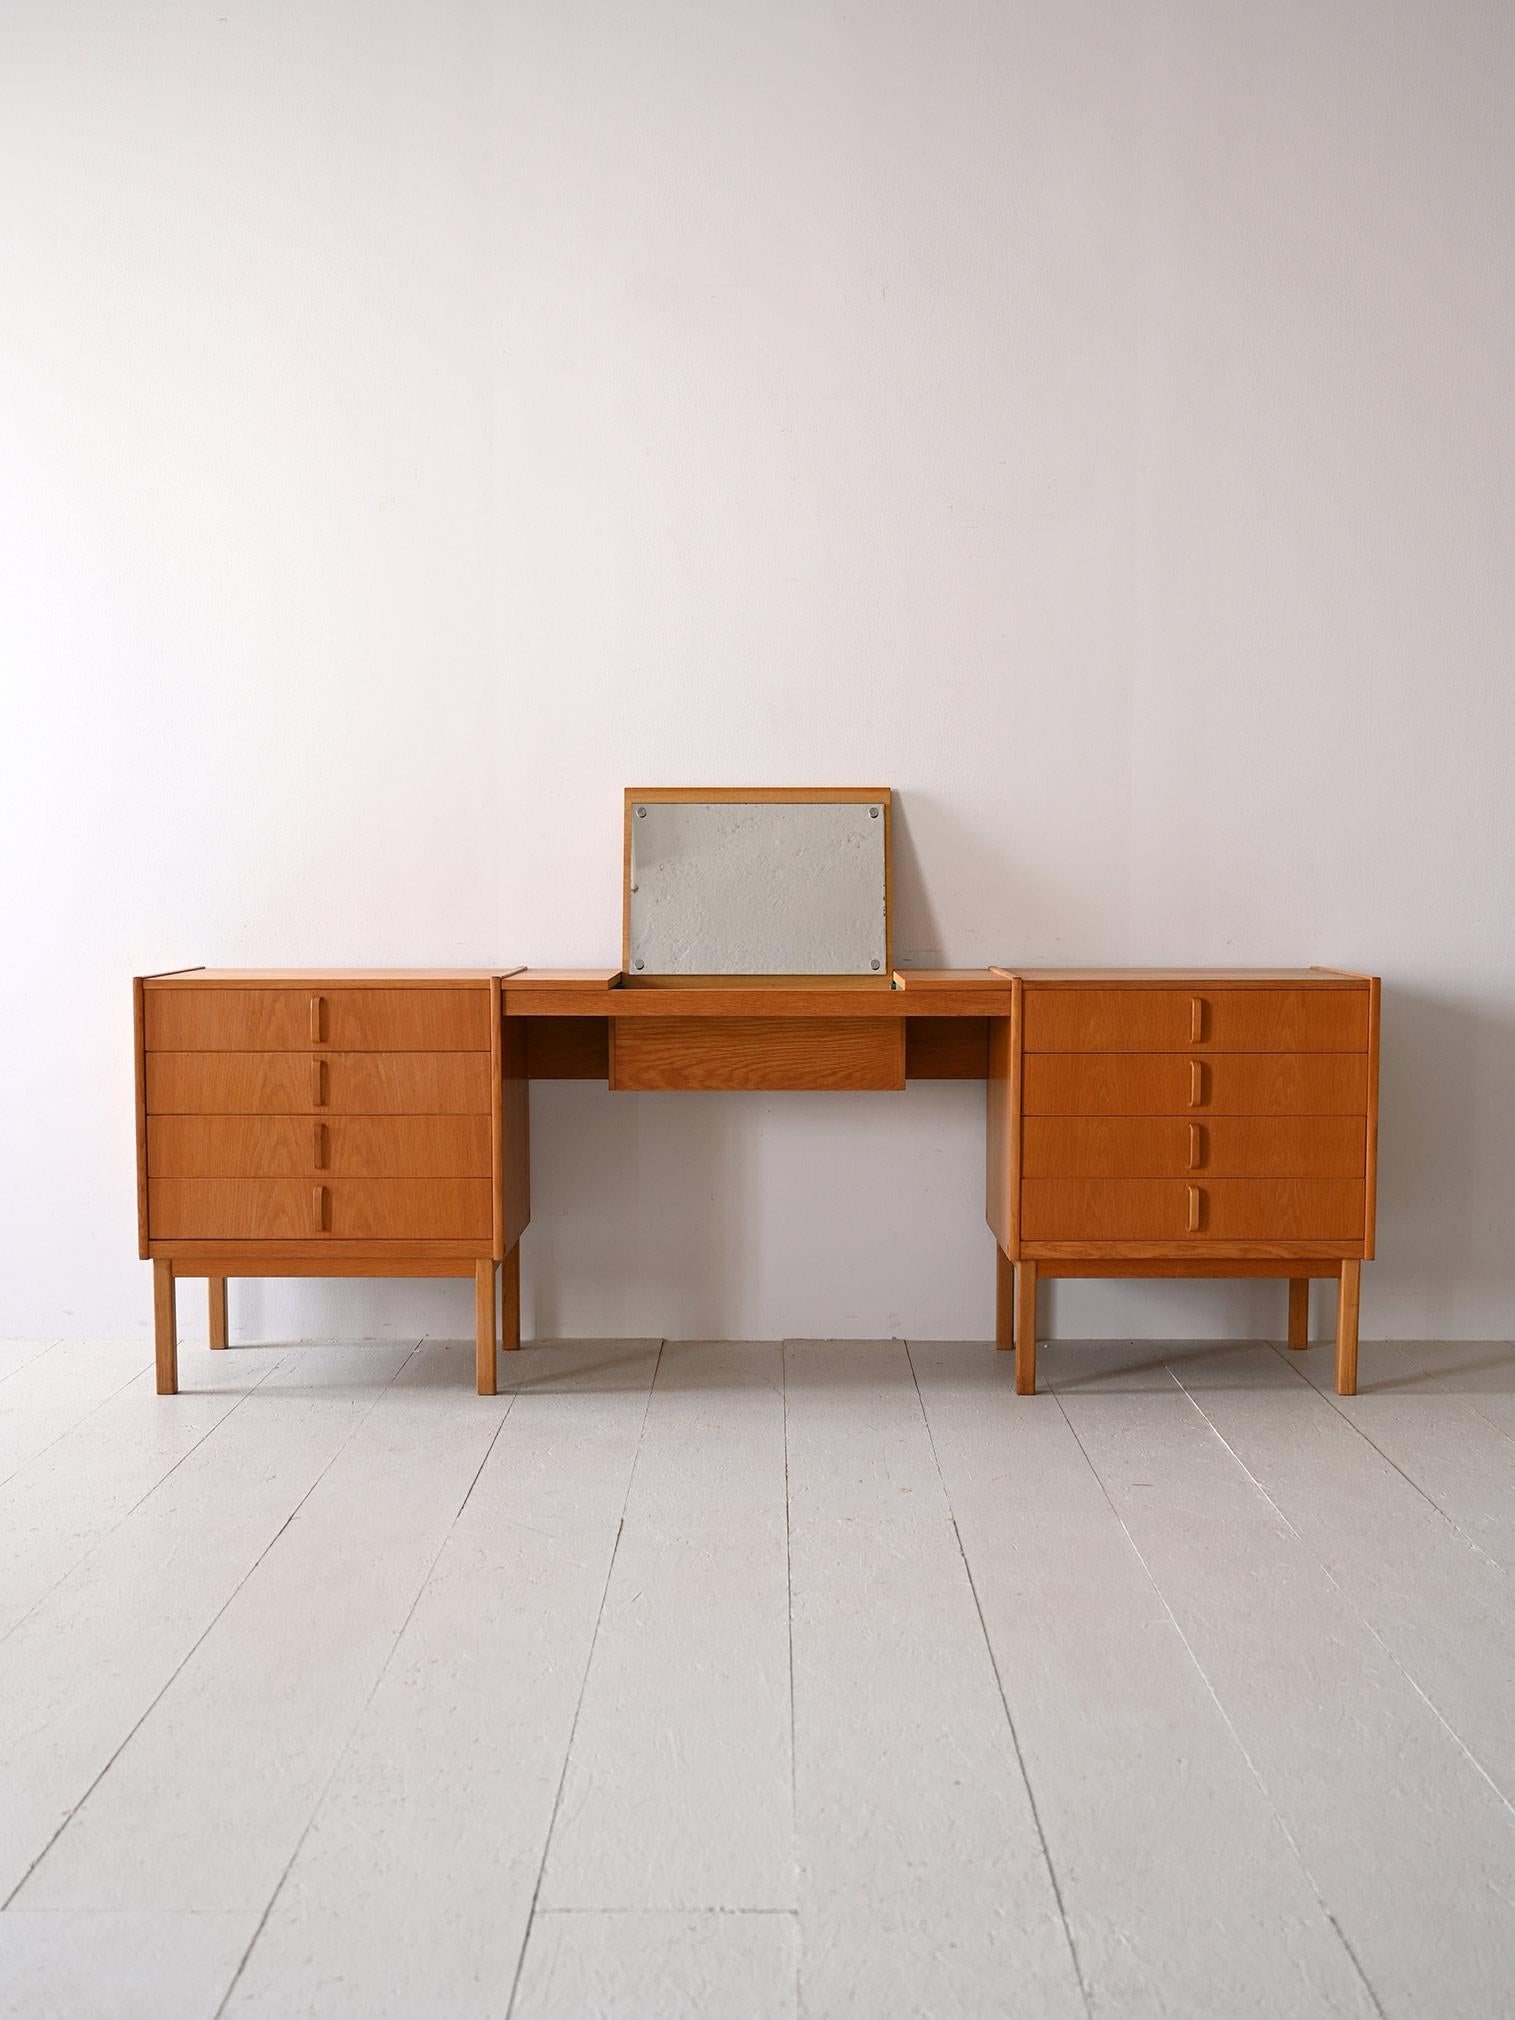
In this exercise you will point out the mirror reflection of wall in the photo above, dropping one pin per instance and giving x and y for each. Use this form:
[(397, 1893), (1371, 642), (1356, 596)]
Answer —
[(744, 887)]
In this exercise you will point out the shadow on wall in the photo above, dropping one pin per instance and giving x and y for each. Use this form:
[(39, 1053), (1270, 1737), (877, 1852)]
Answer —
[(1446, 1244), (625, 1252)]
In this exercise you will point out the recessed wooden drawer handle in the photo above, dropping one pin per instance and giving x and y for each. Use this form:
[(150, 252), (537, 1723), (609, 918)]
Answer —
[(318, 1083), (1196, 1083), (319, 1153), (317, 1019), (318, 1208), (1196, 1146), (1196, 1019), (1194, 1205)]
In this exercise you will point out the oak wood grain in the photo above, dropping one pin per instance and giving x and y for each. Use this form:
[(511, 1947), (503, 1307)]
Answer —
[(1221, 1146), (351, 1020), (1198, 1019), (329, 1257), (743, 997), (565, 1048), (165, 1329), (270, 1209), (513, 1170), (1162, 1083), (355, 1083), (1222, 1209), (388, 978), (1348, 1292), (758, 1052), (1125, 1265), (484, 1326), (139, 1070), (1299, 1313), (280, 1146), (1165, 978), (1370, 1203), (1025, 1327), (946, 1048)]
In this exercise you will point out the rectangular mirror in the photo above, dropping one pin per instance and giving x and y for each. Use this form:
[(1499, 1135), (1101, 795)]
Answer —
[(757, 882)]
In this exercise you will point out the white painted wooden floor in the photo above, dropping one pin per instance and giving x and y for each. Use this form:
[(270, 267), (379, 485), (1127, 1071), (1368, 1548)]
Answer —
[(731, 1681)]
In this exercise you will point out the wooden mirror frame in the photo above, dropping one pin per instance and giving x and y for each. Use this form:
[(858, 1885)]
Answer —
[(758, 796)]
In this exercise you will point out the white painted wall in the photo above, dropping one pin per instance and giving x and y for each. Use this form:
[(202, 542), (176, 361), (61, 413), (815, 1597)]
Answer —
[(420, 420)]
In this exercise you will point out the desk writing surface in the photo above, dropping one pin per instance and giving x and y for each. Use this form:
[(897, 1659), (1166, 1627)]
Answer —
[(854, 997)]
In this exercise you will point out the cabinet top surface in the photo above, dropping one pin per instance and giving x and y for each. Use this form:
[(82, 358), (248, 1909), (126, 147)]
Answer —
[(600, 980), (563, 978), (389, 978), (546, 993), (1188, 978)]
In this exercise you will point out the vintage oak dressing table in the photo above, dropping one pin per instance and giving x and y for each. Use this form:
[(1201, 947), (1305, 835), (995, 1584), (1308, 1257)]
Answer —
[(1140, 1122)]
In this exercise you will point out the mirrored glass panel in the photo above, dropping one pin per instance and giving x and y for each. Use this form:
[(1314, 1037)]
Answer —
[(723, 887)]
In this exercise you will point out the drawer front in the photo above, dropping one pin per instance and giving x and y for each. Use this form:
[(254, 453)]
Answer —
[(1214, 1020), (289, 1083), (294, 1020), (1169, 1146), (1162, 1083), (1163, 1209), (267, 1209), (757, 1052), (287, 1146)]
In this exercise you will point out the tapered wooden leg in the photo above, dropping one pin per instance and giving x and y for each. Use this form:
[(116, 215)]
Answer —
[(483, 1323), (510, 1299), (1299, 1311), (1025, 1329), (165, 1333), (1346, 1328), (1004, 1300), (217, 1311)]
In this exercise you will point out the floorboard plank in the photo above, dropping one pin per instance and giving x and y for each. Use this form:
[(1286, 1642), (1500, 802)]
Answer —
[(412, 1891), (87, 1663), (1184, 1896), (1386, 1808), (675, 1967), (205, 1804), (1454, 1451), (54, 1391), (154, 1966), (57, 1508), (677, 1796), (924, 1887), (17, 1354), (1481, 1372), (1442, 1607)]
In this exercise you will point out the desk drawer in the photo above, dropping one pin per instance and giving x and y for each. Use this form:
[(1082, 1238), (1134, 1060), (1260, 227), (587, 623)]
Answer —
[(757, 1052), (289, 1083), (1198, 1019), (288, 1146), (1162, 1209), (373, 1209), (1171, 1146), (294, 1020), (1163, 1083)]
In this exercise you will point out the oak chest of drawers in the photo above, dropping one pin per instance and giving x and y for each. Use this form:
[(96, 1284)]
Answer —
[(342, 1123), (1152, 1123)]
